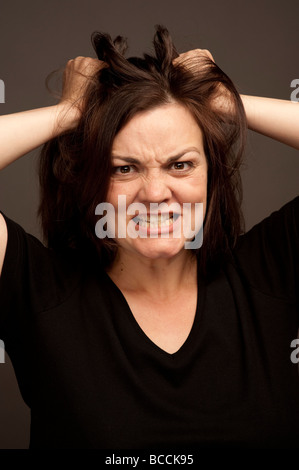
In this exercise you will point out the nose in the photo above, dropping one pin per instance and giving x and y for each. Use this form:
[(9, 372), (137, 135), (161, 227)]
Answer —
[(155, 189)]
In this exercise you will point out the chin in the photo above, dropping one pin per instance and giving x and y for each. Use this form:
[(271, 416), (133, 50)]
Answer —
[(156, 249)]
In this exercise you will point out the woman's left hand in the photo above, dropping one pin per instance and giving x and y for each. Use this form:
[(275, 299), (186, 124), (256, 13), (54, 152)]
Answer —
[(190, 58), (199, 60)]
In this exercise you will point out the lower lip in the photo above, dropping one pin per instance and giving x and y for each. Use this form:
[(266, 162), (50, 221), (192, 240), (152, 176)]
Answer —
[(159, 230)]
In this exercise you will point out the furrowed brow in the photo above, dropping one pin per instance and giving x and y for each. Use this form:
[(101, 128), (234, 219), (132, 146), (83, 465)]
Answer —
[(169, 160), (126, 159)]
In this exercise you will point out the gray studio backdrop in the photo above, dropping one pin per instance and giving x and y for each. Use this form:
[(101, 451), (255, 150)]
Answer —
[(255, 43)]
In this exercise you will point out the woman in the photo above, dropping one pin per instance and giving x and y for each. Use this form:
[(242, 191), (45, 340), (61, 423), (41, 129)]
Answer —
[(140, 341)]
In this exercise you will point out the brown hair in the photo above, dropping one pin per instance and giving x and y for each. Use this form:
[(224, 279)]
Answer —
[(75, 167)]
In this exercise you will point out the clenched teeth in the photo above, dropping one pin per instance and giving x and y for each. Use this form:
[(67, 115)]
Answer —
[(155, 221)]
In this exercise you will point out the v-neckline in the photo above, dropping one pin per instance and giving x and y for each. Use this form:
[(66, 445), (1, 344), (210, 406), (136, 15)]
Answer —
[(193, 333)]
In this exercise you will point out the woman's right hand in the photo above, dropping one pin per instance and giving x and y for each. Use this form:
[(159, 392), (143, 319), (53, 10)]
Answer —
[(76, 77), (22, 132)]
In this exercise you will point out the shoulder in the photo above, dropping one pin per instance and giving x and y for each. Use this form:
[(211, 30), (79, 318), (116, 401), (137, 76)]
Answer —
[(267, 255), (3, 240), (281, 223), (35, 274)]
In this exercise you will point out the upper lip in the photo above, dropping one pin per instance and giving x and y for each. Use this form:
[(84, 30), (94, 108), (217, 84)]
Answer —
[(148, 215), (155, 214)]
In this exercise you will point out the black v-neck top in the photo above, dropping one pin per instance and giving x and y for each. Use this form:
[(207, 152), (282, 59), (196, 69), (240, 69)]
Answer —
[(138, 330), (93, 379)]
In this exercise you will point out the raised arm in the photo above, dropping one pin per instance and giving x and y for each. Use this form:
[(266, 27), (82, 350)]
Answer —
[(278, 119), (22, 132), (275, 118)]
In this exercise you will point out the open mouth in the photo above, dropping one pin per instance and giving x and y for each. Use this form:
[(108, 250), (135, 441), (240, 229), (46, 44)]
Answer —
[(155, 220)]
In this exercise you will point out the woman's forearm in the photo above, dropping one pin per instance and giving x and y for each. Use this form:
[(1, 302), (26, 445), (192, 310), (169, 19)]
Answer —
[(278, 119), (22, 132)]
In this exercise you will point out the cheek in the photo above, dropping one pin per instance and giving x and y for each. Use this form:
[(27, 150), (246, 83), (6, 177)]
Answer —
[(111, 193), (117, 189), (195, 190)]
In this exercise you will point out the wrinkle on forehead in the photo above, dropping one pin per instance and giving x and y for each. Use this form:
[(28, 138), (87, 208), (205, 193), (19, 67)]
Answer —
[(156, 135)]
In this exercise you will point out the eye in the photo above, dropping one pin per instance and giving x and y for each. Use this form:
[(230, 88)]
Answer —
[(123, 170), (181, 166)]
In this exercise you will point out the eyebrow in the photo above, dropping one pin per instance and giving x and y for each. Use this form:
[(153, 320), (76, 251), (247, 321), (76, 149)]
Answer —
[(169, 160)]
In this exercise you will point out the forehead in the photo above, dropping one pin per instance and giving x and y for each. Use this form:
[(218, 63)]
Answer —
[(163, 130)]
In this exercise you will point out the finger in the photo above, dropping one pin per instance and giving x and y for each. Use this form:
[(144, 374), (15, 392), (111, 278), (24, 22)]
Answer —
[(208, 53)]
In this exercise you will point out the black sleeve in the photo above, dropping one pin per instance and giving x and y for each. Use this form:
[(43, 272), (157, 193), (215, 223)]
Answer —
[(34, 279), (268, 254)]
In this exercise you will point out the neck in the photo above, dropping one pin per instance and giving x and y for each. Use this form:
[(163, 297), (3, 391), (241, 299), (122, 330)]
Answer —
[(159, 277)]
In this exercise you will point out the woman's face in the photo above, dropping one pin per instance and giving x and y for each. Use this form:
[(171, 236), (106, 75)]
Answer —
[(158, 157)]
